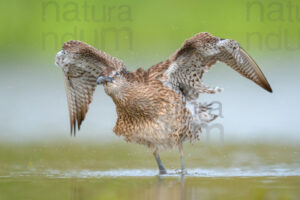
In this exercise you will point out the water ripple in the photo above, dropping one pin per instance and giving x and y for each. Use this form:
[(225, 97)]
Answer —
[(197, 172)]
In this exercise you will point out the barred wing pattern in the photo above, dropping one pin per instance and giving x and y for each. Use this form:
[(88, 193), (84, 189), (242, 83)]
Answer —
[(82, 65), (199, 53), (241, 61)]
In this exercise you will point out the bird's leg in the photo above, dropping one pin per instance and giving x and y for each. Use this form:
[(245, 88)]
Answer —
[(183, 171), (161, 168)]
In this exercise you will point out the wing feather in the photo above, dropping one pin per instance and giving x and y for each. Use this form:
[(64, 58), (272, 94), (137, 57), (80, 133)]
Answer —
[(186, 67), (244, 64), (82, 65)]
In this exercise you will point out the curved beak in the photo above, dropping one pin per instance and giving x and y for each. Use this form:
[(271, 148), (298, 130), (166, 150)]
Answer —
[(104, 79)]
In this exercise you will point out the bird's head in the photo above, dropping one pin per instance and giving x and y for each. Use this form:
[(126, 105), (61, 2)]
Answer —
[(104, 80), (113, 84)]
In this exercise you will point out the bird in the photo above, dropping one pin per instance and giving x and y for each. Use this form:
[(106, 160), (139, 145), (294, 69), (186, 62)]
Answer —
[(158, 107)]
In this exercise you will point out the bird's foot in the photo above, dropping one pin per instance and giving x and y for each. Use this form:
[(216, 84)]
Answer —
[(183, 171), (162, 171)]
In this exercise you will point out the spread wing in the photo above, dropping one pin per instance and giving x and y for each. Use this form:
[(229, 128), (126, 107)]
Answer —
[(186, 67), (82, 65)]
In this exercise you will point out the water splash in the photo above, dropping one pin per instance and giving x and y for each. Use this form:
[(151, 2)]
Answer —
[(197, 172)]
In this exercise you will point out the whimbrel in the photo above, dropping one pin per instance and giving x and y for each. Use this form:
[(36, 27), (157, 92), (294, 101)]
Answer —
[(155, 107)]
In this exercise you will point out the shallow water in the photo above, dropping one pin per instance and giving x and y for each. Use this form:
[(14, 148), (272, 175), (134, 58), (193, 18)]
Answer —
[(122, 171), (165, 188), (213, 173)]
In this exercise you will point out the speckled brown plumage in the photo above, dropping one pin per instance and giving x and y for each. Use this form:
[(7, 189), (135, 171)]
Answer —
[(158, 107)]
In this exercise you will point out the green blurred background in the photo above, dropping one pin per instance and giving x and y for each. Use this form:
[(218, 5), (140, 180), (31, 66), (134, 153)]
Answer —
[(261, 134), (38, 28), (142, 33)]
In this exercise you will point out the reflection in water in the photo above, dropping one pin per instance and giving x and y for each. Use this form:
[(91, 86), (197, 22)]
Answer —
[(170, 188), (72, 172), (76, 190), (77, 186), (160, 188), (182, 187)]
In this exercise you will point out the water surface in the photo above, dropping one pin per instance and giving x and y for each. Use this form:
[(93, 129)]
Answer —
[(122, 171)]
